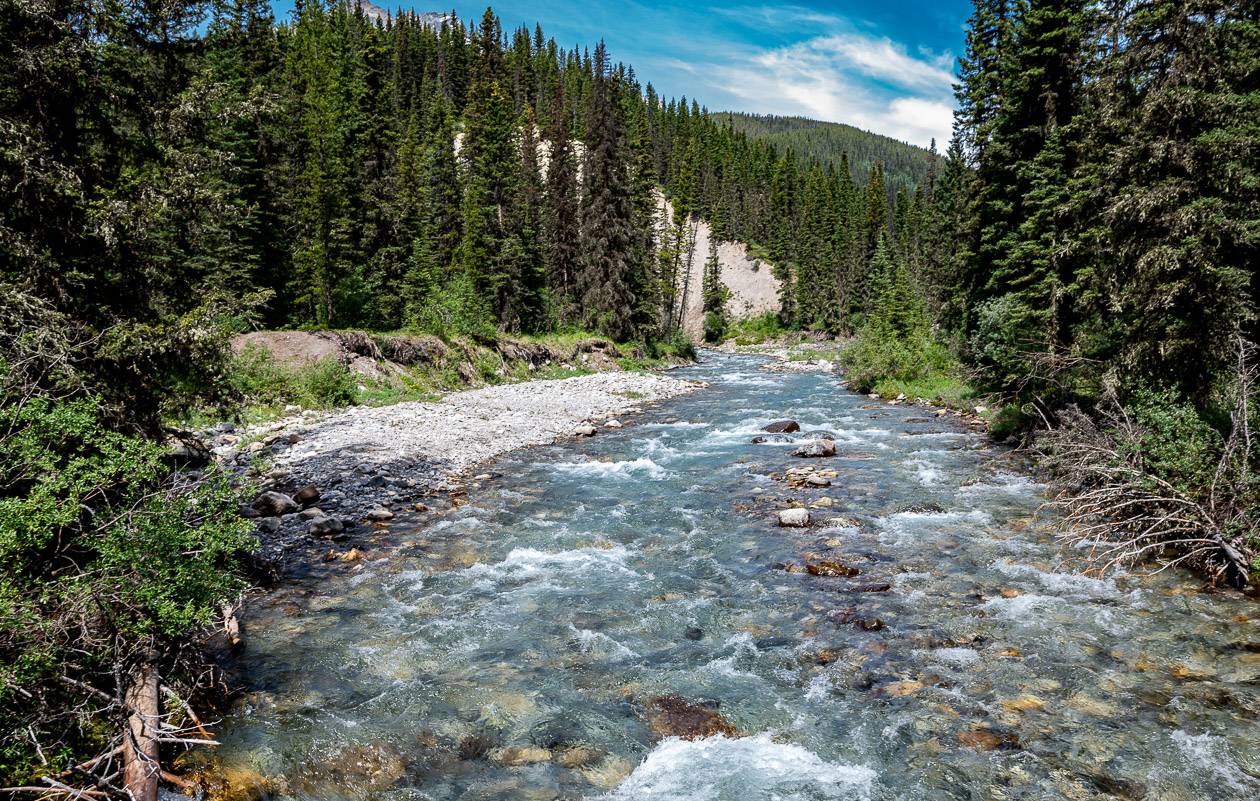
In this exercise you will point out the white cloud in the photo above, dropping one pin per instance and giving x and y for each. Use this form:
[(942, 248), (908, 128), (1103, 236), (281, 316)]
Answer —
[(868, 81)]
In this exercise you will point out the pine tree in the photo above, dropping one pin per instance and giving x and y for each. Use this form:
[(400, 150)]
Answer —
[(607, 214), (524, 303), (560, 226), (715, 295)]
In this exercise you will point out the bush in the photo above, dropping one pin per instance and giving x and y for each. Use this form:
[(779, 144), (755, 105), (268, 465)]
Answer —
[(258, 379), (757, 329), (326, 384), (105, 556), (873, 359)]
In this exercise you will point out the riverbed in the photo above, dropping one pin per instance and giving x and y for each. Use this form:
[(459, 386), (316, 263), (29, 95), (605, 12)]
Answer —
[(513, 647)]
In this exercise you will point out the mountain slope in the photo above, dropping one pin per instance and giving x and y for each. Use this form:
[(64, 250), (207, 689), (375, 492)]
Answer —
[(904, 164)]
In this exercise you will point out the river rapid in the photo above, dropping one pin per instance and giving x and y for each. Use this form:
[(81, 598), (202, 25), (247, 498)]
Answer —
[(511, 648)]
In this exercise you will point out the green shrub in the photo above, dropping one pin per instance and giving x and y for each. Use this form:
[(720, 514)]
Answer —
[(327, 384), (257, 379), (104, 554), (757, 329)]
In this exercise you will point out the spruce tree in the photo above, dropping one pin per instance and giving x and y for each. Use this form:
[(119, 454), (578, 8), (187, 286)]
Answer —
[(607, 236)]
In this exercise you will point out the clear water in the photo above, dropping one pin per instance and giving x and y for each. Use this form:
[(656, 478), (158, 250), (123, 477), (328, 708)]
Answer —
[(546, 612)]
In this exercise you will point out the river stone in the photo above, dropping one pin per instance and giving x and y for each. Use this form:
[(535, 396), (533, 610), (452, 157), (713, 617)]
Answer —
[(307, 495), (584, 431), (325, 525), (675, 716), (817, 448), (379, 515), (794, 518), (274, 504), (782, 427), (269, 525), (833, 569), (613, 424), (818, 481)]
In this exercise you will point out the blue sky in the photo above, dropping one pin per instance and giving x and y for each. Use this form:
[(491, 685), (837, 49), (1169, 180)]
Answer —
[(883, 66)]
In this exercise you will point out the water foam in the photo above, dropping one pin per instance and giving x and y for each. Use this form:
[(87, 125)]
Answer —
[(597, 469), (530, 563), (743, 769)]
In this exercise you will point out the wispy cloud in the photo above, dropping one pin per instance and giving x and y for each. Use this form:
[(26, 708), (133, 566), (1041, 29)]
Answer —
[(845, 76)]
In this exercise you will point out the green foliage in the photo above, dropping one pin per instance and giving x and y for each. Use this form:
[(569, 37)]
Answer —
[(1175, 443), (259, 380), (757, 329), (875, 363), (103, 549)]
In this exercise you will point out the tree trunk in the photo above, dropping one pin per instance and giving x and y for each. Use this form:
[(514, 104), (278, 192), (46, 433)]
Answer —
[(142, 767)]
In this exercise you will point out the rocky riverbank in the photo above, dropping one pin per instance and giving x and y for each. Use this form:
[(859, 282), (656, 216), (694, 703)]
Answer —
[(322, 475)]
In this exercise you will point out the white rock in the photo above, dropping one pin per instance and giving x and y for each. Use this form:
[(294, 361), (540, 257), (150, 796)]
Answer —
[(612, 424), (794, 518)]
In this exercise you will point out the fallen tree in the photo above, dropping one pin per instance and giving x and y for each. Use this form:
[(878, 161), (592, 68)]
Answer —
[(1151, 481)]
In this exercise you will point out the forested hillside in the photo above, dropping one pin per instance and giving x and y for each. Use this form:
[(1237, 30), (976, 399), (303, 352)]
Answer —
[(905, 165), (1089, 253)]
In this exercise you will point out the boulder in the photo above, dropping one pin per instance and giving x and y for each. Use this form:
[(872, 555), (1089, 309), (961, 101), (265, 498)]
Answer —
[(379, 515), (185, 452), (269, 525), (612, 424), (794, 518), (307, 495), (816, 449), (274, 504), (584, 431), (818, 481), (675, 716), (323, 526), (782, 427)]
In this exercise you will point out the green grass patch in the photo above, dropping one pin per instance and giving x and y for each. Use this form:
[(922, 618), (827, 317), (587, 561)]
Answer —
[(756, 330)]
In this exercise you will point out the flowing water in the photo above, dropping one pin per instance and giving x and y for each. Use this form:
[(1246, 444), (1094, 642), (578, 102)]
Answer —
[(510, 648)]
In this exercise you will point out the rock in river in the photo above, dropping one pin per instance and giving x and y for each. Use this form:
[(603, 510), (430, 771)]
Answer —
[(274, 504), (379, 514), (675, 716), (584, 431), (794, 518), (817, 448), (783, 427)]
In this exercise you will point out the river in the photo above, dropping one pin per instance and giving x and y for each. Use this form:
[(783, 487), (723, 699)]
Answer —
[(512, 648)]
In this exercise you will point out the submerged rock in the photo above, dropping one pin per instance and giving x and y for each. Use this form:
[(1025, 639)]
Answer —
[(988, 739), (782, 427), (816, 449), (833, 569), (675, 716), (760, 440), (794, 518)]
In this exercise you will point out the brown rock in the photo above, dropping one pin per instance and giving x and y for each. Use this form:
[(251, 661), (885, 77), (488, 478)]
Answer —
[(675, 716), (782, 427), (829, 568), (988, 739)]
